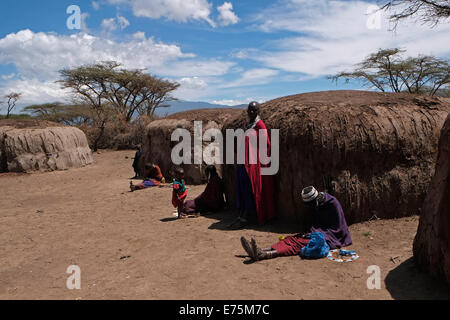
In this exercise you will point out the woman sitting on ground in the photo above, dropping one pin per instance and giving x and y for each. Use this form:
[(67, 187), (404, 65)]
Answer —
[(212, 199), (324, 214), (153, 177)]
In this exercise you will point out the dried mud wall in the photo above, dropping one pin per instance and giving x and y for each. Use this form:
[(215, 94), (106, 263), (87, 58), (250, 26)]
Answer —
[(42, 149), (432, 242), (376, 152)]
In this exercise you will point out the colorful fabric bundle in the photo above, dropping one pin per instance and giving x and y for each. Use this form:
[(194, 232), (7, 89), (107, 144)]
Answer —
[(342, 255), (316, 248)]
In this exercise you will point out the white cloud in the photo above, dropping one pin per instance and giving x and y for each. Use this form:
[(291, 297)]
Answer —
[(244, 53), (194, 68), (252, 77), (175, 10), (231, 102), (333, 35), (35, 91), (41, 55), (109, 24), (191, 88), (192, 83), (123, 22), (112, 24), (226, 14), (8, 76), (139, 35), (95, 5), (84, 17), (38, 57)]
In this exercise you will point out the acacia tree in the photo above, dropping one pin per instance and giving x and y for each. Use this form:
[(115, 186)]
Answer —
[(114, 93), (127, 91), (11, 101), (89, 85), (389, 70), (133, 92), (429, 11)]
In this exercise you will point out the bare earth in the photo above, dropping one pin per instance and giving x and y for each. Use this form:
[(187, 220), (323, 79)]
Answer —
[(128, 247)]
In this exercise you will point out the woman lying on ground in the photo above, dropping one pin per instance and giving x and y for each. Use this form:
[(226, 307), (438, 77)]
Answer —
[(153, 177), (324, 214), (212, 199)]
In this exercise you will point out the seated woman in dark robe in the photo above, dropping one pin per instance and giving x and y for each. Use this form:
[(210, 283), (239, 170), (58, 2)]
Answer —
[(324, 214), (153, 178), (212, 199)]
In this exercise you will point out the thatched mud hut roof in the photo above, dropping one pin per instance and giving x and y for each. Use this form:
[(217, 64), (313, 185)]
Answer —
[(375, 151), (157, 146), (33, 145)]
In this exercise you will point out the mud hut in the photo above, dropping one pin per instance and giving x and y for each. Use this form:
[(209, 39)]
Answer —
[(375, 152), (157, 145), (432, 242), (32, 145)]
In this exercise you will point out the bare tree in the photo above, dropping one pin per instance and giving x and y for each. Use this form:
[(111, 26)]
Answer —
[(11, 101), (388, 70), (428, 11)]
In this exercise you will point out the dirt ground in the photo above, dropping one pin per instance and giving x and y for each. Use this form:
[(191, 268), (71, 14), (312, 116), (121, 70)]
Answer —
[(128, 247)]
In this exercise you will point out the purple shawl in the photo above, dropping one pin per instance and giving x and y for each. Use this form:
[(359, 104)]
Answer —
[(329, 219)]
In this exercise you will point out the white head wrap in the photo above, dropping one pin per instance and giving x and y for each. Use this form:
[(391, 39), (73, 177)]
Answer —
[(309, 196)]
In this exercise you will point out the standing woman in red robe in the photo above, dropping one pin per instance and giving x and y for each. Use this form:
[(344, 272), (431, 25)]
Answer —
[(254, 192)]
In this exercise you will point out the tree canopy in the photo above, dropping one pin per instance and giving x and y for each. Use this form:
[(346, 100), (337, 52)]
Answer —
[(389, 70), (127, 92)]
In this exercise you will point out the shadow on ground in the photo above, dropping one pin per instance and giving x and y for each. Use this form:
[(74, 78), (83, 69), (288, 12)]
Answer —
[(226, 217), (407, 282)]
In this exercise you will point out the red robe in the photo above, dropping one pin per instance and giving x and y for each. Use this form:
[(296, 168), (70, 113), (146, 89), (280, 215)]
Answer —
[(210, 200), (262, 186)]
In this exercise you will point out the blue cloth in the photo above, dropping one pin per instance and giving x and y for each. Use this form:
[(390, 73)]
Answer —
[(149, 183), (316, 248), (244, 191)]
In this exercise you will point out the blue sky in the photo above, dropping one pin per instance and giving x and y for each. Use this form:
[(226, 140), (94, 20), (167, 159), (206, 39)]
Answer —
[(226, 52)]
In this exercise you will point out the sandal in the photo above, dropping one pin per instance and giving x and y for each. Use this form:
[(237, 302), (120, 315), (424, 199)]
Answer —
[(247, 248), (259, 254)]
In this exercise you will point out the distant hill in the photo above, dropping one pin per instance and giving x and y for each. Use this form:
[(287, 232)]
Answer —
[(180, 106), (175, 107)]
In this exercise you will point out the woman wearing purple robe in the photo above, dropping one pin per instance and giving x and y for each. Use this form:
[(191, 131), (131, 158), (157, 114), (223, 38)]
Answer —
[(324, 214)]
